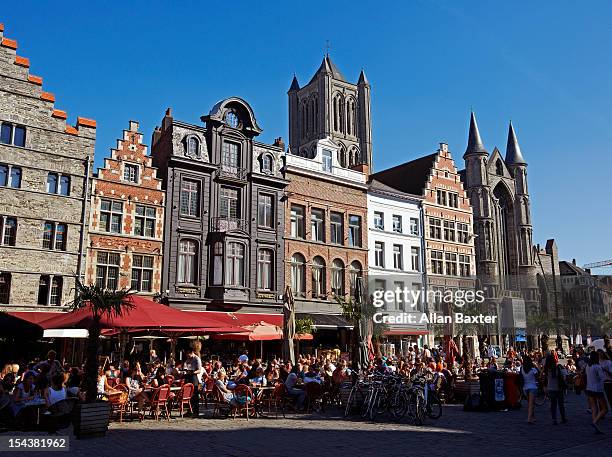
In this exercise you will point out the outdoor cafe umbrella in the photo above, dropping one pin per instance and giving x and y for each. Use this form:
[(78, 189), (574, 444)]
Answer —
[(289, 314)]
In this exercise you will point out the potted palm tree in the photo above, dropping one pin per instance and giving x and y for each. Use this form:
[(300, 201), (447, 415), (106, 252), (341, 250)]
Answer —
[(91, 416)]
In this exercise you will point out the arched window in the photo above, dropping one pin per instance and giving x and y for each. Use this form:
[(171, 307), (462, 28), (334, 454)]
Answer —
[(354, 273), (298, 275), (316, 114), (337, 277), (342, 114), (193, 146), (342, 157), (499, 167), (318, 277), (266, 163), (186, 272), (234, 265), (265, 269)]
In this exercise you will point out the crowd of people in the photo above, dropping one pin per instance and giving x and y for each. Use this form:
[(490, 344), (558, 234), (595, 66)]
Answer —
[(49, 381)]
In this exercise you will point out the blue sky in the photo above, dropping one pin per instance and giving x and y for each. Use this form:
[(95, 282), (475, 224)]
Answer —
[(545, 65)]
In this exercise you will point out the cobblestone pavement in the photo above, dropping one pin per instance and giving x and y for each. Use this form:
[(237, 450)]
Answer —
[(456, 433)]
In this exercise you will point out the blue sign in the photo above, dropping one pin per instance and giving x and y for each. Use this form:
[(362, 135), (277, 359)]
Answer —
[(520, 335)]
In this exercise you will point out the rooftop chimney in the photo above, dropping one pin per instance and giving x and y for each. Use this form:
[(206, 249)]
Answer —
[(280, 143), (574, 261)]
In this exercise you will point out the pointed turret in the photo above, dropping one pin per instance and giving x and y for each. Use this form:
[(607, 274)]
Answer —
[(475, 145), (295, 85), (328, 67), (363, 80), (513, 150)]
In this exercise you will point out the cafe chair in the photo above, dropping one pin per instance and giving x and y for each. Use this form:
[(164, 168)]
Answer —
[(243, 400), (159, 402), (120, 402), (184, 398)]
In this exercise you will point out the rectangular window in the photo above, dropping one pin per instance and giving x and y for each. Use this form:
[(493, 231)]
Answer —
[(414, 226), (229, 203), (234, 265), (463, 234), (4, 175), (379, 254), (437, 262), (397, 223), (464, 265), (142, 273), (415, 258), (398, 254), (186, 272), (190, 198), (64, 187), (5, 288), (231, 155), (379, 220), (48, 235), (297, 221), (55, 298), (6, 133), (10, 176), (107, 270), (130, 172), (441, 197), (264, 269), (453, 200), (8, 231), (435, 228), (354, 230), (317, 224), (52, 180), (60, 237), (337, 228), (449, 231), (145, 221), (398, 289), (265, 211), (111, 216), (327, 160), (451, 264)]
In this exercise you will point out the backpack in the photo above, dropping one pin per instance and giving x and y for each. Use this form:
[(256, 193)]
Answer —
[(580, 381)]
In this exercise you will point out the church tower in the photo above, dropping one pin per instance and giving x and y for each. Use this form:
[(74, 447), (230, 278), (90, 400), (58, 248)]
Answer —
[(331, 107)]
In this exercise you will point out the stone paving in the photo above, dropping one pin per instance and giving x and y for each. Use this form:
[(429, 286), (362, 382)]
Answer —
[(456, 433)]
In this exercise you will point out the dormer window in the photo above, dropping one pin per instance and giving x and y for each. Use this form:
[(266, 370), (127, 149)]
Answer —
[(193, 146), (266, 163), (231, 119), (130, 173), (327, 160)]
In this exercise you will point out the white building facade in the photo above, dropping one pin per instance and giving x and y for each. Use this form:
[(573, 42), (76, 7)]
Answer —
[(396, 256)]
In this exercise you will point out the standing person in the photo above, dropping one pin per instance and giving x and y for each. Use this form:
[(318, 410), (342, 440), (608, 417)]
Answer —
[(606, 366), (530, 386), (193, 367), (595, 390), (555, 385)]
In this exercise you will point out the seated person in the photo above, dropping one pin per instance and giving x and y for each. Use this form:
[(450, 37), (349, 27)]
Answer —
[(259, 379), (292, 390), (56, 391), (160, 378), (221, 383), (23, 392), (312, 375)]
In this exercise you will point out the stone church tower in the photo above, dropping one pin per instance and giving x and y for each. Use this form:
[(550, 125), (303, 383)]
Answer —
[(330, 107), (497, 188)]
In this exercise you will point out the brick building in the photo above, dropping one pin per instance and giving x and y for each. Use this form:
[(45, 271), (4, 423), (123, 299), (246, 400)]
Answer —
[(326, 241), (449, 242), (125, 242), (44, 169)]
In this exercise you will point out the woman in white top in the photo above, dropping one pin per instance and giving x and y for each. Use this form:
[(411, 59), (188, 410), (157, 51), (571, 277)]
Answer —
[(595, 390), (56, 391), (530, 386)]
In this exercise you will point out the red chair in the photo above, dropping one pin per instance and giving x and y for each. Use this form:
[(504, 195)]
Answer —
[(243, 399), (184, 398), (159, 402), (207, 391)]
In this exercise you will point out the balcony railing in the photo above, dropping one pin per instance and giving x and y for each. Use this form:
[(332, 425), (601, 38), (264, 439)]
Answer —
[(226, 224), (232, 172)]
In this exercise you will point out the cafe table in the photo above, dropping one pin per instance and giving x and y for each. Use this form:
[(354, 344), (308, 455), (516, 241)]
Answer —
[(258, 393)]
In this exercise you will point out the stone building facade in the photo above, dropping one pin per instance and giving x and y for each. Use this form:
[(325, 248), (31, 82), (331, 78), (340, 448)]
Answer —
[(44, 168), (497, 187), (224, 212), (326, 238), (126, 223)]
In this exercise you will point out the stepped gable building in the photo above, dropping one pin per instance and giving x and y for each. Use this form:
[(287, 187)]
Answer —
[(447, 214), (497, 187), (224, 212), (126, 223), (326, 243), (44, 170)]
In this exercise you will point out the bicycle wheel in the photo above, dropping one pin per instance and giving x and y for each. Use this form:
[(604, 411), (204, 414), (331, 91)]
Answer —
[(434, 406), (355, 398), (398, 406), (419, 416), (367, 404)]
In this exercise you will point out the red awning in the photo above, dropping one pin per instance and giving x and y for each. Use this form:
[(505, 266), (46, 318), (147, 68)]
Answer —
[(261, 331), (241, 319), (145, 314), (34, 317)]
